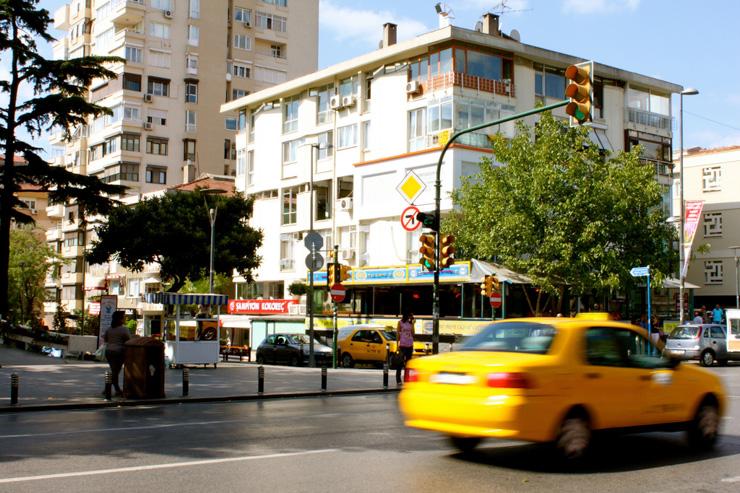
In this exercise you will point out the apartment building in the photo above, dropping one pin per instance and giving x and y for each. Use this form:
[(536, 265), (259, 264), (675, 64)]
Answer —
[(183, 59), (356, 129), (713, 175)]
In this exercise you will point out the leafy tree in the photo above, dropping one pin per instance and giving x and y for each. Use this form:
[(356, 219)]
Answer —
[(562, 213), (174, 231), (59, 89), (30, 260)]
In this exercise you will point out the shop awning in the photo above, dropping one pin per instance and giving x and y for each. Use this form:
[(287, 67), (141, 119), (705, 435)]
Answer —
[(480, 269), (676, 284), (187, 298)]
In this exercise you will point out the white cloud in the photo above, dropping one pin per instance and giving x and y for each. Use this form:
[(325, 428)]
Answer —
[(710, 139), (365, 26), (599, 6)]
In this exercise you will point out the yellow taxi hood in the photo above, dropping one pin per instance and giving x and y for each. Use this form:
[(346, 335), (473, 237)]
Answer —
[(465, 360)]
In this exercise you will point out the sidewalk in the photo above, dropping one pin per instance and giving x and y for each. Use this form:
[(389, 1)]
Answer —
[(47, 383)]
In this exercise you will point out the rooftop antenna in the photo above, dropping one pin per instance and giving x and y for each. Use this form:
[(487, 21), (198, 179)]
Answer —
[(502, 8), (444, 13)]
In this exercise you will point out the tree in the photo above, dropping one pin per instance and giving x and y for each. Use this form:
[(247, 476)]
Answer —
[(174, 231), (59, 100), (563, 213), (30, 260)]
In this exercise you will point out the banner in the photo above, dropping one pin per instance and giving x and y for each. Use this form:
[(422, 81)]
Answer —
[(108, 305), (692, 215), (260, 307)]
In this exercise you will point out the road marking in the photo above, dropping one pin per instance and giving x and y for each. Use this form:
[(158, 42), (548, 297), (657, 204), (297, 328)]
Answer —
[(736, 479), (152, 467)]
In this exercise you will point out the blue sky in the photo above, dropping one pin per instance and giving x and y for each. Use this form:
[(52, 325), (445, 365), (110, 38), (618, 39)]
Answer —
[(687, 42)]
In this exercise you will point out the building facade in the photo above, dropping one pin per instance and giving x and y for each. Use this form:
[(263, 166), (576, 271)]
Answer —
[(183, 59), (352, 133)]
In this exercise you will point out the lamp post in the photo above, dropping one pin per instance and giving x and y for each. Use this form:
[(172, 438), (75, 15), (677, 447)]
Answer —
[(737, 276), (690, 91), (212, 212)]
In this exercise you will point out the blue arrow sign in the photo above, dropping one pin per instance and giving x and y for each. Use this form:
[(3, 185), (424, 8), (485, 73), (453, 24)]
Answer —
[(640, 271)]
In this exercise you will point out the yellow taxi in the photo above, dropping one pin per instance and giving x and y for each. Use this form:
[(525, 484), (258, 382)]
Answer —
[(371, 344), (559, 380)]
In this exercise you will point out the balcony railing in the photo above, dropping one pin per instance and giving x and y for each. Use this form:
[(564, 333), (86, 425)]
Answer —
[(450, 79), (649, 119)]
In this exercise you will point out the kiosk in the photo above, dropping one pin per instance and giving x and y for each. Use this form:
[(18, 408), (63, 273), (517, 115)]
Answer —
[(191, 343)]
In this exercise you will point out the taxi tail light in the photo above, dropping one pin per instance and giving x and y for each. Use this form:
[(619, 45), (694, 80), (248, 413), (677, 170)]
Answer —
[(509, 381), (411, 375)]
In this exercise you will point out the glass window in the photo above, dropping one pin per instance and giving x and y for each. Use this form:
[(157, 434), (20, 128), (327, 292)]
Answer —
[(286, 252), (157, 30), (323, 95), (417, 129), (242, 15), (191, 92), (193, 35), (290, 114), (134, 54), (445, 61), (513, 337), (347, 136), (158, 87), (191, 121), (554, 84), (156, 145), (130, 142), (230, 123), (189, 149), (607, 346), (132, 82), (242, 42), (290, 150), (290, 202), (323, 200), (156, 174), (194, 11), (326, 145)]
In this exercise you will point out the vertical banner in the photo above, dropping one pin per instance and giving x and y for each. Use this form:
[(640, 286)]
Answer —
[(693, 210), (108, 304)]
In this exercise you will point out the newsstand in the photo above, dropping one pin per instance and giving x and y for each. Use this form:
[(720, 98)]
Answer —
[(143, 375)]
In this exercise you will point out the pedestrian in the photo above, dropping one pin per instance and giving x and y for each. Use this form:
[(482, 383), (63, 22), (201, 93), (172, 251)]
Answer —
[(717, 314), (115, 338), (405, 338), (698, 319)]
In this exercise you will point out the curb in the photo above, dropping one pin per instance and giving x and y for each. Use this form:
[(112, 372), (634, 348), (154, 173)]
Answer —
[(186, 400)]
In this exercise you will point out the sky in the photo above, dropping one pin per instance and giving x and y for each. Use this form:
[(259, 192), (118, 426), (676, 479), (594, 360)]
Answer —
[(687, 42)]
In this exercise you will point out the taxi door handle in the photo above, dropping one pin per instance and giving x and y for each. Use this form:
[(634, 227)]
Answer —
[(593, 375), (646, 377)]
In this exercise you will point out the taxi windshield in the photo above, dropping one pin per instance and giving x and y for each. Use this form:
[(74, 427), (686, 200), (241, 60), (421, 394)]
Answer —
[(685, 332), (513, 337)]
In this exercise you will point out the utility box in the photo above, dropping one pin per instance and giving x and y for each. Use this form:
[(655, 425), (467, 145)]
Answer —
[(143, 375)]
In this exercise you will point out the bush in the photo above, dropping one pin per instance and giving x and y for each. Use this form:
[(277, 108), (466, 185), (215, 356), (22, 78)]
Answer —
[(298, 288)]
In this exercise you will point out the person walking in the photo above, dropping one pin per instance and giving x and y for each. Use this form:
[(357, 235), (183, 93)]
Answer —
[(115, 338), (405, 338)]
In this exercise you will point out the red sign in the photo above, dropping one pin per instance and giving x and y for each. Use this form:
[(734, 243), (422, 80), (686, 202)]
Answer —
[(496, 300), (408, 218), (259, 307), (338, 292)]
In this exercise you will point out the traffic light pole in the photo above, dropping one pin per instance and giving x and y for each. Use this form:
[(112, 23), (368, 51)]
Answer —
[(438, 203), (335, 310)]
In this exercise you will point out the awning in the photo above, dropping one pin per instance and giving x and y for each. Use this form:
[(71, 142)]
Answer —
[(676, 284), (481, 269), (152, 280), (187, 298)]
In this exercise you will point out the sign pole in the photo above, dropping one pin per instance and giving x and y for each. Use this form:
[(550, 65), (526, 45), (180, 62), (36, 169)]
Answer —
[(649, 314), (335, 317)]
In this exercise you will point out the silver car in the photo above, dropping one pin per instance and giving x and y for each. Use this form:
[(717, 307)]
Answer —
[(704, 342)]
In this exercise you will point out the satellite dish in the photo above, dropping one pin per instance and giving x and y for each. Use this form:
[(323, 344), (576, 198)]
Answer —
[(515, 34), (478, 26)]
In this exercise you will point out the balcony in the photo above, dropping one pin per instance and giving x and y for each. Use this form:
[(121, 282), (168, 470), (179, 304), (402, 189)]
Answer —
[(61, 18), (56, 210), (456, 79), (72, 251), (648, 119), (54, 234), (71, 278), (127, 12)]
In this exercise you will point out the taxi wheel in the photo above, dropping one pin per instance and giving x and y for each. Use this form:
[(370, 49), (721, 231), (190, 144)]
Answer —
[(704, 428), (707, 358), (347, 361), (574, 437), (465, 444)]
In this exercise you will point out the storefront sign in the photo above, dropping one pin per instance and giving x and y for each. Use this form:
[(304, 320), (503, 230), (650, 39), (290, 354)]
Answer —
[(408, 274), (260, 307)]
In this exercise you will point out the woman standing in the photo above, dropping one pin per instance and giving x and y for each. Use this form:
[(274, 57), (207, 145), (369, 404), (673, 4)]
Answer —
[(115, 338), (405, 338)]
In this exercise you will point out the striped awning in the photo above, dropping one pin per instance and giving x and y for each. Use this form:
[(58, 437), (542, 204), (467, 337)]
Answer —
[(187, 298)]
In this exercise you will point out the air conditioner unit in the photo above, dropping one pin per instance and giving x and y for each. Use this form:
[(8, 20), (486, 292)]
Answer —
[(413, 87), (348, 100), (146, 126), (345, 204), (167, 13), (347, 254), (148, 98), (34, 212), (247, 25), (335, 102)]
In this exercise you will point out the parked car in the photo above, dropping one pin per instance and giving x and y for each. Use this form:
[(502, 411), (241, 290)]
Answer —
[(704, 342), (292, 349), (559, 380), (371, 344)]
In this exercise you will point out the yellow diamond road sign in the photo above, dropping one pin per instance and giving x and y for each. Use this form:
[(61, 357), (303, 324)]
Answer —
[(411, 187)]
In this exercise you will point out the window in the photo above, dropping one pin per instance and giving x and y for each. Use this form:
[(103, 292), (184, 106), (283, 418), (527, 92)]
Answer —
[(238, 93), (549, 82), (290, 150), (711, 179), (157, 116), (713, 224), (713, 272), (286, 252), (242, 15), (188, 149), (620, 348), (290, 202), (326, 145), (130, 142), (132, 113), (366, 145), (194, 11), (156, 145), (347, 136), (162, 4), (323, 95), (250, 168), (279, 3), (133, 288), (191, 121), (419, 69), (132, 82), (191, 92), (134, 54), (348, 87), (268, 21), (157, 30), (241, 162), (242, 41), (277, 51), (417, 129), (290, 114), (193, 35), (191, 64), (323, 200), (156, 174), (230, 123), (229, 150), (440, 115), (121, 172), (160, 58), (271, 76), (240, 70), (157, 86)]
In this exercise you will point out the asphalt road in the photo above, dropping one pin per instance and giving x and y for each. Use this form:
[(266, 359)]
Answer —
[(323, 444)]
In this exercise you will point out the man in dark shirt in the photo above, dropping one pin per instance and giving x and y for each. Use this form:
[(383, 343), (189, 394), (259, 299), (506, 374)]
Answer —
[(115, 338)]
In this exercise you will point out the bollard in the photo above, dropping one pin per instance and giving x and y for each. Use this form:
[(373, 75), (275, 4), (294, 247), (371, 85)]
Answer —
[(14, 381), (385, 376), (108, 385), (323, 378), (185, 382), (260, 380)]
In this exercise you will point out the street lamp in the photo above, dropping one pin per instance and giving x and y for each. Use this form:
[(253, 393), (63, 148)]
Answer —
[(212, 212), (737, 276), (690, 91)]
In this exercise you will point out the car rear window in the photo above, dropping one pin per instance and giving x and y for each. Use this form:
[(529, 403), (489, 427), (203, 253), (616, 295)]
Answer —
[(390, 336), (513, 337), (685, 332)]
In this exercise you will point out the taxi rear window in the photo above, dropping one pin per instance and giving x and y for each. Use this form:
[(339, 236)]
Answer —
[(513, 337)]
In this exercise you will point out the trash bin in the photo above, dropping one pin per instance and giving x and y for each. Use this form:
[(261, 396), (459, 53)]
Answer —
[(143, 374)]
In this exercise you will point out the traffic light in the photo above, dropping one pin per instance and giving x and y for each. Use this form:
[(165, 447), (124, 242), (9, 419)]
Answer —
[(580, 91), (343, 272), (331, 274), (489, 286), (427, 251), (428, 220), (446, 251)]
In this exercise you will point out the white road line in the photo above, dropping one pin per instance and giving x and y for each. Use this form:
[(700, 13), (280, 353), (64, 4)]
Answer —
[(161, 466), (736, 479)]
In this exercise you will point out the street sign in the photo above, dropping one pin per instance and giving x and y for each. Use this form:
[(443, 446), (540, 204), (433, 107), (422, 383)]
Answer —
[(408, 218), (640, 271), (314, 261), (338, 292), (411, 187), (496, 300), (313, 241)]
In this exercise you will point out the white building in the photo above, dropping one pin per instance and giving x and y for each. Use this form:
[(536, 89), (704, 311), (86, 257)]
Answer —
[(383, 115)]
